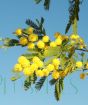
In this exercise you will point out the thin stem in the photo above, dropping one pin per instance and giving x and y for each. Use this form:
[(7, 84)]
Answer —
[(74, 27)]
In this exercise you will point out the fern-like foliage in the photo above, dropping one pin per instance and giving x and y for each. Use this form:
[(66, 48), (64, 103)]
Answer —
[(40, 83), (73, 13), (38, 26), (58, 89), (29, 81), (46, 3), (52, 82)]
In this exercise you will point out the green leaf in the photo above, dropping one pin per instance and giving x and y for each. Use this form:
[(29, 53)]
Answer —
[(14, 78), (27, 83), (38, 1), (52, 51), (47, 4), (40, 83), (58, 89), (52, 82), (30, 56)]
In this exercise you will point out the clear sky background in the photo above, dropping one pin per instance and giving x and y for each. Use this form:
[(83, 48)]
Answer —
[(13, 14)]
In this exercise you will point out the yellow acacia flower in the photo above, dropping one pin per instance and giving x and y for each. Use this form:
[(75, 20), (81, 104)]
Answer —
[(86, 65), (23, 61), (18, 32), (82, 76), (33, 67), (31, 45), (56, 62), (45, 72), (18, 68), (23, 41), (55, 74), (41, 44), (33, 37), (35, 59), (40, 64), (79, 64), (58, 41), (57, 34), (39, 73), (74, 36), (64, 37), (81, 46), (50, 67), (30, 30), (53, 44), (27, 71), (45, 38)]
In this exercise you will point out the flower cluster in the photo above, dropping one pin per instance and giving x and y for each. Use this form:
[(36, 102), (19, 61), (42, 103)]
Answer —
[(62, 64)]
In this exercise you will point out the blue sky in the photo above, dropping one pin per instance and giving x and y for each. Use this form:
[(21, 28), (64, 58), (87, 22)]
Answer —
[(13, 14)]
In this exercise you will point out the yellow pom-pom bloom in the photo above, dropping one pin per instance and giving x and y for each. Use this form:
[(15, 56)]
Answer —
[(53, 44), (33, 37), (82, 76), (39, 73), (18, 68), (33, 67), (30, 30), (86, 66), (58, 41), (50, 67), (31, 45), (23, 61), (45, 39), (55, 75), (23, 41), (79, 64), (74, 36), (40, 64), (41, 44), (27, 72), (18, 32), (56, 62), (35, 59), (57, 34), (45, 72)]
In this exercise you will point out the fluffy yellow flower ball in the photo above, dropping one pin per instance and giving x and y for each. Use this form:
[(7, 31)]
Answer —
[(23, 61), (35, 59), (50, 67), (23, 41), (45, 39), (31, 45), (82, 76), (58, 41), (33, 67), (27, 72), (30, 30), (57, 34), (41, 44), (55, 75), (74, 36), (56, 62), (79, 64), (33, 37), (18, 32), (45, 72), (40, 64), (53, 44), (39, 73), (18, 68)]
